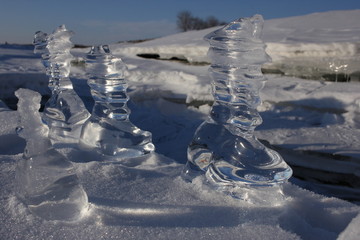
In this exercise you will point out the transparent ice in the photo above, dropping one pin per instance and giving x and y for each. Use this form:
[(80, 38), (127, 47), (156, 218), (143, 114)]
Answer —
[(224, 147), (46, 180), (64, 112), (109, 130)]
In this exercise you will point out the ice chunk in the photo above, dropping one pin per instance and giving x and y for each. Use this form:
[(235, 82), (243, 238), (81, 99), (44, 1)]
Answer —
[(46, 180), (109, 130)]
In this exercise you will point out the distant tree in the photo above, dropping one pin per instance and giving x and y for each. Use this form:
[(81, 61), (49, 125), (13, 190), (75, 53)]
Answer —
[(198, 23), (212, 21), (186, 22)]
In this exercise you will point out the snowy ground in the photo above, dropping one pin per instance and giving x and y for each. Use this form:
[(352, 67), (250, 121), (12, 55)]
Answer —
[(315, 125)]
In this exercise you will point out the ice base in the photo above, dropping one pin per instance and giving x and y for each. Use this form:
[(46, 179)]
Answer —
[(118, 139), (230, 159), (48, 185), (259, 196)]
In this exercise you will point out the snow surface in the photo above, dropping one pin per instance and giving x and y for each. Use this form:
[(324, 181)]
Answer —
[(315, 125), (310, 42)]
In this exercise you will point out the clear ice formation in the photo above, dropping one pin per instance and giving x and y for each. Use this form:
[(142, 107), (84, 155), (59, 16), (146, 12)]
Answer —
[(64, 112), (109, 130), (46, 180), (224, 146)]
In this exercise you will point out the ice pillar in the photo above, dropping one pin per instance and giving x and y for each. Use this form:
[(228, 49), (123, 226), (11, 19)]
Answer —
[(64, 112), (224, 147), (46, 180), (109, 130)]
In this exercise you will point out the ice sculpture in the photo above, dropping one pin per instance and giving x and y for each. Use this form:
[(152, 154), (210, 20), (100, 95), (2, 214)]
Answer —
[(64, 112), (224, 146), (109, 129), (46, 180)]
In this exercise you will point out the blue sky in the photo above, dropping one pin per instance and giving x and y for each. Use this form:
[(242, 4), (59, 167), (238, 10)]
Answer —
[(109, 21)]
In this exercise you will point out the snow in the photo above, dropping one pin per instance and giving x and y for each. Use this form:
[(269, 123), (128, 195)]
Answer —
[(313, 124), (352, 231), (308, 42)]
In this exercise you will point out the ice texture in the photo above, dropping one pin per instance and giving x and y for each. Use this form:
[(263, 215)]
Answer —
[(46, 180), (224, 146), (64, 112), (109, 130)]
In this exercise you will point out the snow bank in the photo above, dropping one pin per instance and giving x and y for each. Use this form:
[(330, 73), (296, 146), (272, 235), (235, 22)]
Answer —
[(317, 43), (189, 45)]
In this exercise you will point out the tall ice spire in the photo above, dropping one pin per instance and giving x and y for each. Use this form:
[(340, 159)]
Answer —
[(224, 147), (109, 130), (64, 112)]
